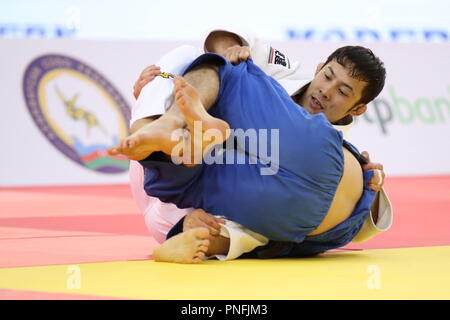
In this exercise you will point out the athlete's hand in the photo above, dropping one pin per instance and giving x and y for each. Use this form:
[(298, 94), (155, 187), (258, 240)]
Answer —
[(146, 76), (236, 54), (200, 218), (377, 181)]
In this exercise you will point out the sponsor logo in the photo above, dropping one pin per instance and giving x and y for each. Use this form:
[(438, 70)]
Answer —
[(78, 110), (16, 30), (393, 107), (241, 147), (278, 58), (165, 75), (365, 34)]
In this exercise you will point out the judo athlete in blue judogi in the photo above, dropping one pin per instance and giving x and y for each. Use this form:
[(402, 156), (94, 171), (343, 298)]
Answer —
[(292, 198)]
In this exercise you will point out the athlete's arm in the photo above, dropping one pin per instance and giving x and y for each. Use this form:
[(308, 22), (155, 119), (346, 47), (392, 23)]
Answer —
[(201, 218), (377, 181)]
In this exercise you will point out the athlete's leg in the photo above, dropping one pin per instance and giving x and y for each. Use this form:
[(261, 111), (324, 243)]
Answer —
[(196, 243), (153, 101), (194, 95), (191, 246), (228, 239)]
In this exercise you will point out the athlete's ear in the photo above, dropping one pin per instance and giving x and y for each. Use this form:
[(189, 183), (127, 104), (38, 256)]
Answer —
[(358, 110), (319, 67)]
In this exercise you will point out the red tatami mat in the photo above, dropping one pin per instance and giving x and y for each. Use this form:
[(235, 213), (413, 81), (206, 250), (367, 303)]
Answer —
[(37, 295), (68, 225), (72, 249)]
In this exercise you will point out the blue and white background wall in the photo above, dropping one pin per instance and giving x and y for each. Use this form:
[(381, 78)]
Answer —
[(68, 68)]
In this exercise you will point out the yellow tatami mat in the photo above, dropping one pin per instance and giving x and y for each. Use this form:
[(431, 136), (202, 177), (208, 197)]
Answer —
[(408, 273)]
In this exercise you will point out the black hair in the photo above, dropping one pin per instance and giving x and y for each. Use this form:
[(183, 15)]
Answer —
[(364, 66)]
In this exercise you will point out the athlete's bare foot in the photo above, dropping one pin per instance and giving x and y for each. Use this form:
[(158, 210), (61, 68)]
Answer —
[(199, 218), (205, 130), (187, 247), (152, 137), (200, 126)]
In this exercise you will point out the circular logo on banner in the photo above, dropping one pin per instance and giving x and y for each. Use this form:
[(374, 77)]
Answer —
[(77, 110)]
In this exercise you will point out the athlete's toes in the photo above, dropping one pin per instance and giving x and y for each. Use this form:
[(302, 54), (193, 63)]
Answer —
[(199, 255), (197, 260), (202, 233), (179, 81), (203, 243), (179, 96), (112, 151), (129, 143)]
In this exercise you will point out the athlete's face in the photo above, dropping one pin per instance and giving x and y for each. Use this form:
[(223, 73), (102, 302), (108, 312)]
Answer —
[(334, 92)]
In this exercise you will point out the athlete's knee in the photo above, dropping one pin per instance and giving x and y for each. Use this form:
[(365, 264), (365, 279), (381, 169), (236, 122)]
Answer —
[(203, 73)]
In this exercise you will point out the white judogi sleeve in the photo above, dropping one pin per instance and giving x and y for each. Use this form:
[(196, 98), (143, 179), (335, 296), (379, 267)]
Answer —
[(385, 217), (156, 97), (273, 62)]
